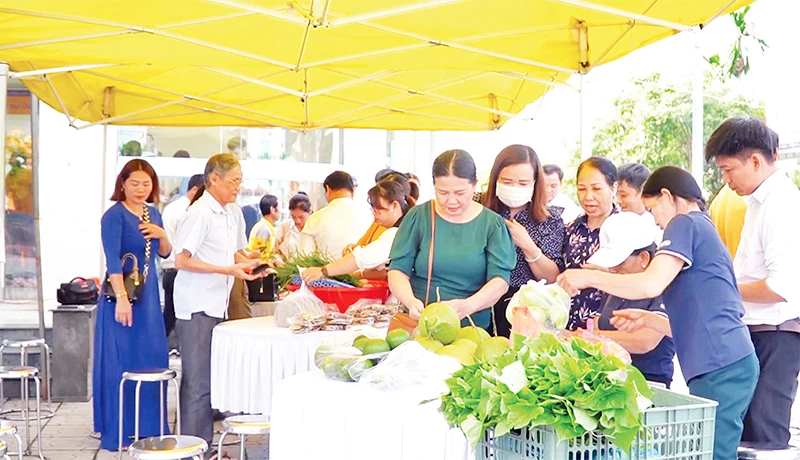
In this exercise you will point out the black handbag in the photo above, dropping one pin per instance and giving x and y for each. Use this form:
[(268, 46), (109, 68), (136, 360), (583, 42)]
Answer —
[(262, 289), (79, 291), (133, 281)]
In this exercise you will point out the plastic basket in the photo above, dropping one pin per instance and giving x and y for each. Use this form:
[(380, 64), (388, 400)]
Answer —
[(678, 427), (344, 297)]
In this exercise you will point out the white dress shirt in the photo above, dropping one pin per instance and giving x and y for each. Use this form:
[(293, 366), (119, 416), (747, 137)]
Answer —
[(213, 234), (340, 223), (770, 250), (173, 213), (376, 253)]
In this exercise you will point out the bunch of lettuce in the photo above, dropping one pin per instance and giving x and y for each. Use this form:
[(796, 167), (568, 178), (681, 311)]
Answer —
[(548, 303), (570, 385)]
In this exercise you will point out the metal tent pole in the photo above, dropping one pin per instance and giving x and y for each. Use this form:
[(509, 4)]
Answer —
[(698, 77), (584, 125), (3, 92), (36, 220)]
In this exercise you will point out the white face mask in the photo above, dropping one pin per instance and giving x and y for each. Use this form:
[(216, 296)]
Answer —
[(513, 196)]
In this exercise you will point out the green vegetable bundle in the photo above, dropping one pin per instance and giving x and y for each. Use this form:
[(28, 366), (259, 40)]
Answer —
[(289, 269), (570, 385)]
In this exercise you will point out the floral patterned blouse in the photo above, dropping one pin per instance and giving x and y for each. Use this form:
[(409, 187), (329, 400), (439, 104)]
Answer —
[(580, 244), (549, 235)]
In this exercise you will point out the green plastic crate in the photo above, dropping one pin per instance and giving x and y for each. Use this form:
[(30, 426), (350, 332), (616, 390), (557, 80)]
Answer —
[(678, 427)]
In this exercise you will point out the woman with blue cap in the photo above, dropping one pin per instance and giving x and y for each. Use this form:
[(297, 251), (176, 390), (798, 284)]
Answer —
[(693, 272)]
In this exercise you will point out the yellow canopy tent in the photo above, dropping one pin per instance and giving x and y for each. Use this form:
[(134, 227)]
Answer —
[(306, 64)]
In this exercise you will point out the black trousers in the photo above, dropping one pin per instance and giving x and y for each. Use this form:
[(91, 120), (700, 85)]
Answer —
[(501, 323), (169, 305), (766, 425)]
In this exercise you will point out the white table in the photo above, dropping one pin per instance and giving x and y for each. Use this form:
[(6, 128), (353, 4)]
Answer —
[(250, 356), (315, 417)]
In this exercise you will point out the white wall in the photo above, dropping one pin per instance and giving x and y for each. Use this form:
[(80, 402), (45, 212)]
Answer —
[(71, 176)]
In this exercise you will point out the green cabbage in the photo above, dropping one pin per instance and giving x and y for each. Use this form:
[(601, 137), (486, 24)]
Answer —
[(548, 303)]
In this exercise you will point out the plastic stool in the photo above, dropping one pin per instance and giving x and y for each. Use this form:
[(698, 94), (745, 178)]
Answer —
[(168, 448), (23, 374), (747, 453), (24, 345), (149, 375), (9, 430), (243, 425)]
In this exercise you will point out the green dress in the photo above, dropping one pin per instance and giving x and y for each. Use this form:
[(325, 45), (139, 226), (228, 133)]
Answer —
[(466, 255)]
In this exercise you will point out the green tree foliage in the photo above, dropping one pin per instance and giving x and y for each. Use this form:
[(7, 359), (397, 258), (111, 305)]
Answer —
[(652, 123)]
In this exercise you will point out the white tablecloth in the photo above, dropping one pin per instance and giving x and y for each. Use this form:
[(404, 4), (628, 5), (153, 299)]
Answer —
[(250, 356), (315, 417)]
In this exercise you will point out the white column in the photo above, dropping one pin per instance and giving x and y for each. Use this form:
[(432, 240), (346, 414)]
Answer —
[(3, 92), (584, 120), (698, 77)]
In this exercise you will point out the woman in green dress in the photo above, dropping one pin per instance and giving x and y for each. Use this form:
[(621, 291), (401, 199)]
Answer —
[(472, 256)]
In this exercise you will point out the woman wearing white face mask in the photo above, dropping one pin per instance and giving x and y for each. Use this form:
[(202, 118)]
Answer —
[(517, 192)]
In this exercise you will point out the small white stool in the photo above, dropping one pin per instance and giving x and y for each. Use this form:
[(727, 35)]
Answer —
[(9, 430), (243, 425), (24, 345), (3, 450), (159, 376), (23, 374), (168, 448)]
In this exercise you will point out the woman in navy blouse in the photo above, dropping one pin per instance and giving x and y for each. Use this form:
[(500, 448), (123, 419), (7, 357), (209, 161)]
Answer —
[(129, 334), (597, 178), (517, 192)]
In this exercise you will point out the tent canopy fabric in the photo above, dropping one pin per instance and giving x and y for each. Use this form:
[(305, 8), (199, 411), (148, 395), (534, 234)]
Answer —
[(306, 64)]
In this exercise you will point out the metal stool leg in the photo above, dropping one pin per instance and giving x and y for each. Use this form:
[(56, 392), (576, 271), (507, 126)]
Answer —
[(177, 407), (242, 453), (38, 416), (219, 446), (161, 408), (120, 416), (19, 445), (23, 389), (136, 411)]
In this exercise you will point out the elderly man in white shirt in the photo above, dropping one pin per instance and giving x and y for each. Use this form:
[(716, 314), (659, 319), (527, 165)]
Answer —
[(172, 215), (340, 223), (745, 151), (553, 177), (210, 246)]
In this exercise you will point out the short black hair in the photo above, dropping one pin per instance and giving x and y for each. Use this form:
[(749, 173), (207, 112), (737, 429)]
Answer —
[(457, 163), (198, 180), (634, 174), (735, 136), (339, 180), (604, 165), (300, 201), (267, 204), (553, 169), (181, 154), (383, 173)]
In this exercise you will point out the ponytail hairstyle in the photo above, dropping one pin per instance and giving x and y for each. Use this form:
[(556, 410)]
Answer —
[(394, 187), (220, 163)]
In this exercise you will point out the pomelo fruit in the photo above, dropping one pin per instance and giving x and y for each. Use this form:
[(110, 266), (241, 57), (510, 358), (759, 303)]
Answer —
[(440, 322), (395, 337), (491, 348), (428, 343), (460, 353), (467, 345), (473, 333), (375, 346)]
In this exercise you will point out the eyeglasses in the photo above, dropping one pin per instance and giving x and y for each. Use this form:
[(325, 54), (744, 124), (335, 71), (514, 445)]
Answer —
[(235, 182)]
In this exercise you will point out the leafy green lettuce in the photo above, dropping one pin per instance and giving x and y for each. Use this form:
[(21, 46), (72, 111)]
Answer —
[(570, 385)]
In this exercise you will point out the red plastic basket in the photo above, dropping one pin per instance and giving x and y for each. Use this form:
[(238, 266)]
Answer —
[(344, 297)]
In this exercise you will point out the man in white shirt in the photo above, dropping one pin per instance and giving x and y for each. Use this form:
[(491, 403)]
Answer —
[(553, 177), (210, 252), (745, 151), (172, 215), (342, 221)]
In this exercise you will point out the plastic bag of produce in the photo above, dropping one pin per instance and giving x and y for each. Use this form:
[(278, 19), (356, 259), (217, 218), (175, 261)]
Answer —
[(301, 302), (345, 363), (547, 307)]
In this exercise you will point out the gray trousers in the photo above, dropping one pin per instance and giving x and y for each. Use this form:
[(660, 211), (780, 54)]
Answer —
[(194, 340)]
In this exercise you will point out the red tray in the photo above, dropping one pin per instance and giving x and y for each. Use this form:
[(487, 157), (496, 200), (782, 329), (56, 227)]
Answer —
[(344, 297)]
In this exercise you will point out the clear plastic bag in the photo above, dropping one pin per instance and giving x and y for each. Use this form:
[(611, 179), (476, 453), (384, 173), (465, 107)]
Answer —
[(345, 363), (301, 302), (538, 306)]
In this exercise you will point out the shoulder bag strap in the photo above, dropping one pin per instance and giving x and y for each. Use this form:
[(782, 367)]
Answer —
[(147, 244), (430, 251)]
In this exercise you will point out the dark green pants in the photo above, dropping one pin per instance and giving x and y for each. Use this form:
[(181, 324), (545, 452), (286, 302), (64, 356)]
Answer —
[(732, 387)]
